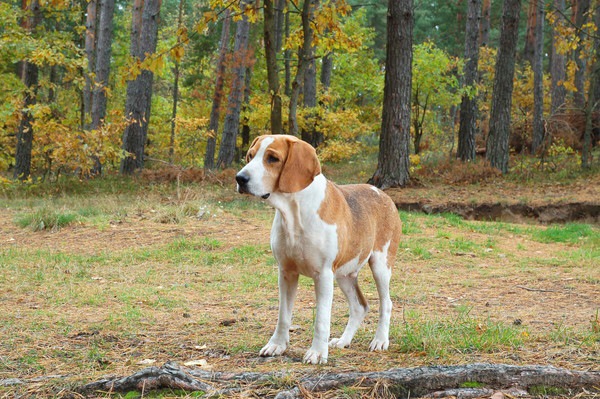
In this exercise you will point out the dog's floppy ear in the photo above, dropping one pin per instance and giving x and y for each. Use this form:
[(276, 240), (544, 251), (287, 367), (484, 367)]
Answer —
[(300, 168)]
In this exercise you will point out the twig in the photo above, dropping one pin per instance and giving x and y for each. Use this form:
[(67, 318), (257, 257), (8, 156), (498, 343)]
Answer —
[(535, 289)]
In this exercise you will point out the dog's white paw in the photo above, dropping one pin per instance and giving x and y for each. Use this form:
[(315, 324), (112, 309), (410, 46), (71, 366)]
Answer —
[(379, 345), (339, 343), (315, 357), (272, 349)]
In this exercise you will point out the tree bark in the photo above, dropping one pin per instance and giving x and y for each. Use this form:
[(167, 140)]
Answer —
[(139, 90), (271, 49), (400, 382), (326, 70), (528, 48), (279, 23), (176, 73), (484, 27), (558, 66), (29, 76), (468, 107), (497, 151), (583, 6), (309, 132), (393, 161), (215, 112), (539, 131), (90, 52), (593, 101), (232, 118), (286, 60), (102, 69)]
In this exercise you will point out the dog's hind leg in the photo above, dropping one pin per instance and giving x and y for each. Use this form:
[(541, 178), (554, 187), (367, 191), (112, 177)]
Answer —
[(382, 275), (358, 309)]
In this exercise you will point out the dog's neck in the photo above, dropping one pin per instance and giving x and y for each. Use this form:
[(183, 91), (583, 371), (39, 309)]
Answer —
[(311, 198)]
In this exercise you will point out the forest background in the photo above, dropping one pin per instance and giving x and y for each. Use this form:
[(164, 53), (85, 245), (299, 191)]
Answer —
[(106, 85)]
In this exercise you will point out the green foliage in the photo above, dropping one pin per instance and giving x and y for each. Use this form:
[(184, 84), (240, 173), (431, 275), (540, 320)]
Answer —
[(435, 90)]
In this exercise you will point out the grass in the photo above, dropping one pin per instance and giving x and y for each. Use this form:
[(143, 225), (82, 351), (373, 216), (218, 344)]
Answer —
[(183, 273), (46, 219)]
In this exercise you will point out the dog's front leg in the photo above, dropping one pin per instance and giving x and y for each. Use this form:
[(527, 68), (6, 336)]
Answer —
[(317, 354), (288, 286)]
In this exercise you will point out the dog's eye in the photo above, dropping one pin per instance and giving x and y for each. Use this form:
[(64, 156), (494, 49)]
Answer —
[(249, 157), (272, 159)]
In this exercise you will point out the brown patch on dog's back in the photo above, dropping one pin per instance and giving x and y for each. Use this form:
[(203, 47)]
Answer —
[(366, 220)]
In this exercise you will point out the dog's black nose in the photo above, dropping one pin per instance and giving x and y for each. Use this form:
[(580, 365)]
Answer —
[(242, 179)]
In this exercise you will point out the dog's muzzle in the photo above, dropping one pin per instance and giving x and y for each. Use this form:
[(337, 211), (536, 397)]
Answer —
[(242, 188), (242, 180)]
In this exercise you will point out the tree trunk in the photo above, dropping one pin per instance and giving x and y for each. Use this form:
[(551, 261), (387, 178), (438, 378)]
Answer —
[(309, 133), (271, 49), (176, 73), (286, 60), (232, 118), (393, 162), (593, 101), (102, 69), (326, 69), (558, 70), (497, 151), (139, 91), (29, 76), (484, 27), (528, 49), (539, 130), (583, 6), (215, 112), (90, 52), (279, 23), (468, 106), (245, 126)]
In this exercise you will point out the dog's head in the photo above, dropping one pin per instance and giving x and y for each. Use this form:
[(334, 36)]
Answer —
[(277, 164)]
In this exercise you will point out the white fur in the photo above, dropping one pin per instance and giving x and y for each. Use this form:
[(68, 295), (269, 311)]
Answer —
[(305, 244), (256, 169)]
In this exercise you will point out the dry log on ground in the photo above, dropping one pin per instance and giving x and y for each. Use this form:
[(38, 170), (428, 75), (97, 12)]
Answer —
[(402, 382)]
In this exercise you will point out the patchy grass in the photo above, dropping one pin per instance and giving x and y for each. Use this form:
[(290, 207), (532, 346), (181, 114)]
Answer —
[(150, 273), (45, 218)]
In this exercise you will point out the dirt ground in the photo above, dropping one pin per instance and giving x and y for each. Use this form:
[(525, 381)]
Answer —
[(540, 299)]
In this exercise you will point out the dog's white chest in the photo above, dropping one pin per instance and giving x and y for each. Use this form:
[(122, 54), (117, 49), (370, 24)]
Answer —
[(299, 237)]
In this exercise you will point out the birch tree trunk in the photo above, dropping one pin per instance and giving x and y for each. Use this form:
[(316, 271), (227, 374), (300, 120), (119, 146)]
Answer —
[(468, 106), (497, 151), (393, 162)]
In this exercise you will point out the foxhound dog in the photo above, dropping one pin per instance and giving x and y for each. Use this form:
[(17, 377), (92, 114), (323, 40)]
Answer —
[(323, 231)]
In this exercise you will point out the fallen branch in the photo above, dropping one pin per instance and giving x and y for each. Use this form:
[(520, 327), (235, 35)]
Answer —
[(402, 382)]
